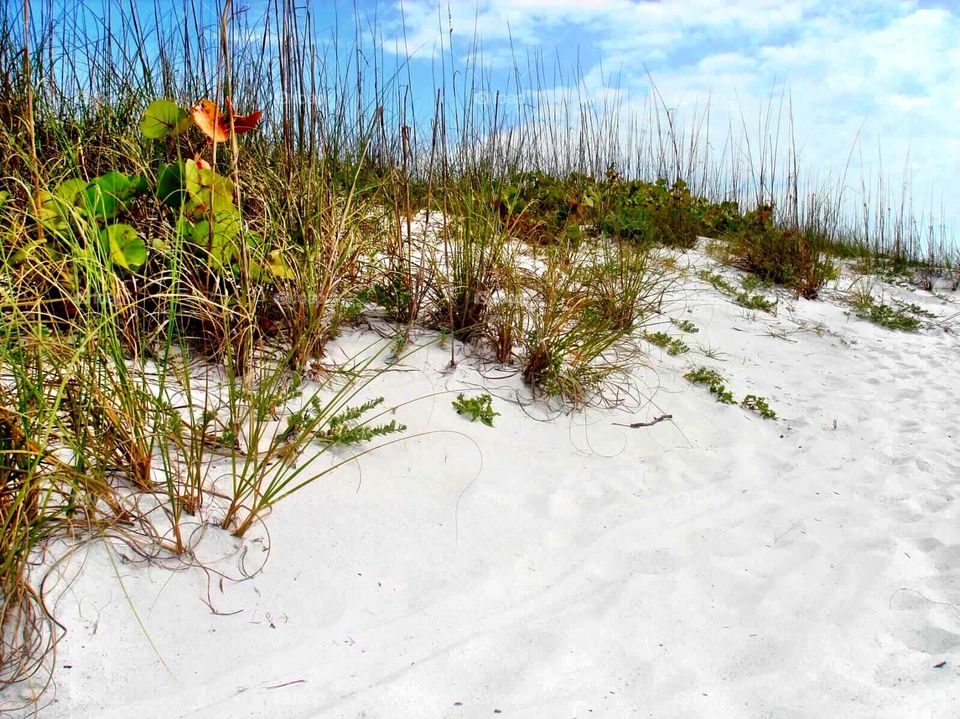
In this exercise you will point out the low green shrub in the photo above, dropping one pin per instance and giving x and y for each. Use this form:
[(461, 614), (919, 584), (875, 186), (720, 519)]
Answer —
[(660, 339), (714, 382), (677, 347), (755, 302), (894, 318), (479, 408), (788, 257), (718, 281), (758, 404)]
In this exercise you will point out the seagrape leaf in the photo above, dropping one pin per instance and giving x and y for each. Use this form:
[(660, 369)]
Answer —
[(170, 185), (278, 266), (216, 125), (107, 195), (125, 246), (163, 118), (222, 239), (55, 207), (206, 190)]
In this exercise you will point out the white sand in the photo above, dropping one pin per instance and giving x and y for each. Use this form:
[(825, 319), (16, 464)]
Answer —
[(717, 566)]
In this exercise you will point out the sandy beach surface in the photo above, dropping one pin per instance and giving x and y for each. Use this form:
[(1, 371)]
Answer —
[(716, 564)]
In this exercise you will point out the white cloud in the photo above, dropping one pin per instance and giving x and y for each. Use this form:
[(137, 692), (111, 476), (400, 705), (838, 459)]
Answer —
[(885, 68)]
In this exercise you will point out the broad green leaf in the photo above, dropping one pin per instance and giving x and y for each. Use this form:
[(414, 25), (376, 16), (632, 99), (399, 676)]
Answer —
[(106, 196), (191, 177), (219, 237), (39, 250), (163, 118), (278, 266), (125, 246), (170, 185), (56, 209), (217, 184), (69, 191), (51, 212), (206, 190)]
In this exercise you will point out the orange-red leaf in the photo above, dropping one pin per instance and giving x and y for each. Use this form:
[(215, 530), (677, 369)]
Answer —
[(210, 121), (216, 125), (243, 123)]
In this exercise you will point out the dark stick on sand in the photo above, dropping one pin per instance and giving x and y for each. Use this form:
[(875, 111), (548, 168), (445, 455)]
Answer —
[(635, 425)]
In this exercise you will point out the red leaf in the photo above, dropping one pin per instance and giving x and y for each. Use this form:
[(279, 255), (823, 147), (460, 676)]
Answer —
[(216, 125), (243, 123), (210, 121)]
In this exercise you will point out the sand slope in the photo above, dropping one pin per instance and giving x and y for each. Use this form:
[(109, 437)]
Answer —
[(717, 566)]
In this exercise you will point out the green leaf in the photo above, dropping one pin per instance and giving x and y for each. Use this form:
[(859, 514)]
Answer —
[(125, 246), (106, 196), (170, 188), (56, 209), (51, 213), (206, 189), (163, 118), (69, 191), (220, 236), (35, 248), (278, 267)]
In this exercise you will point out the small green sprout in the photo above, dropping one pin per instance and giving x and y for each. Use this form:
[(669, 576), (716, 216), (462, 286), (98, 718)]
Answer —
[(480, 407), (758, 404)]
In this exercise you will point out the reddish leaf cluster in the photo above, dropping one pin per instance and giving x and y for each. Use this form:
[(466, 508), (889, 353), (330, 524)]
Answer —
[(216, 125)]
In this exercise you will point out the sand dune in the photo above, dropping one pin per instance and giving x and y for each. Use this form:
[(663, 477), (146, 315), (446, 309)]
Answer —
[(715, 565)]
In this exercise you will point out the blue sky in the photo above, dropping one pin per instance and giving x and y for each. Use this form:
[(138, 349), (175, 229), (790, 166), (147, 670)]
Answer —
[(875, 78), (883, 73)]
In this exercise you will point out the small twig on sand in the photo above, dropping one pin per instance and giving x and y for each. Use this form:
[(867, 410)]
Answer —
[(286, 684), (635, 425)]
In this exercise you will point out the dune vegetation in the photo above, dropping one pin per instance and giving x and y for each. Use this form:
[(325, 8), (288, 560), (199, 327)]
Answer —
[(191, 213)]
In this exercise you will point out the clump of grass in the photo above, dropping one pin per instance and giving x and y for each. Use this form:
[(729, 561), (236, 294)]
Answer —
[(474, 239), (577, 336), (686, 326)]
